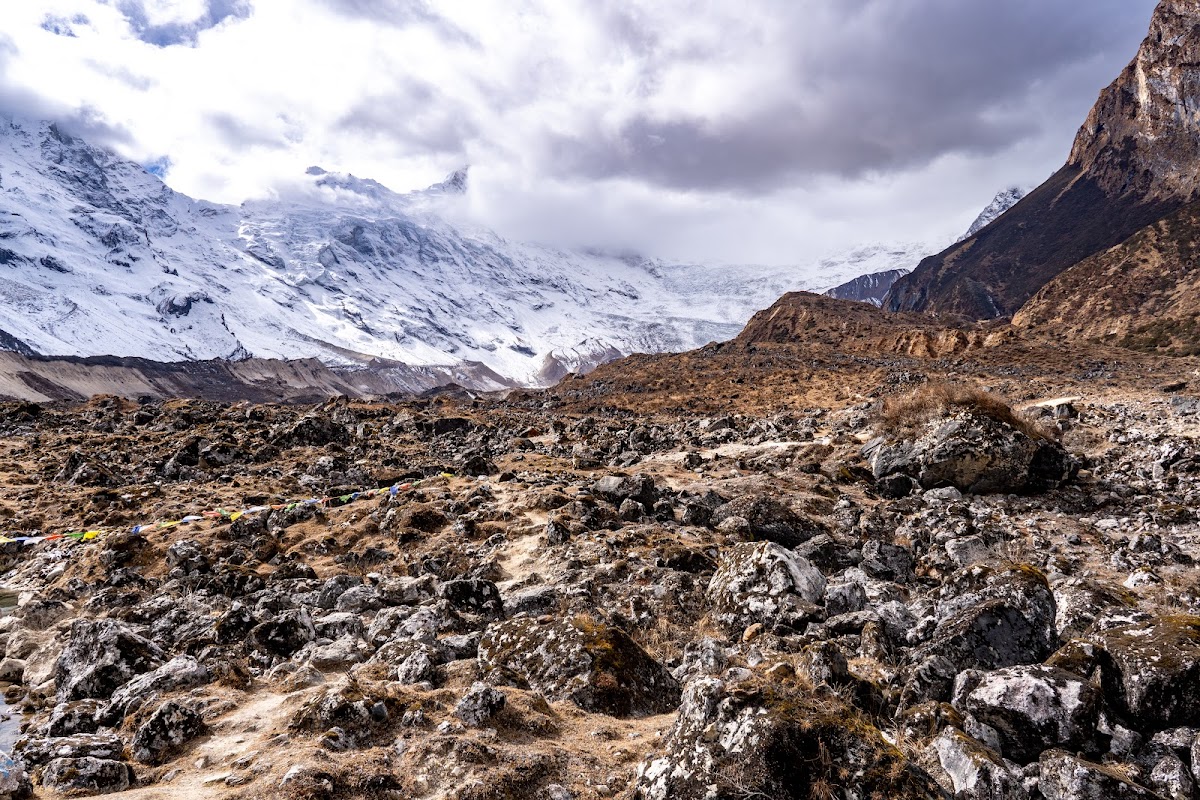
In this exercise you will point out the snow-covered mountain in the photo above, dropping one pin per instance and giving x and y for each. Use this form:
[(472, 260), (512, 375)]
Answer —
[(870, 288), (1003, 201), (99, 257)]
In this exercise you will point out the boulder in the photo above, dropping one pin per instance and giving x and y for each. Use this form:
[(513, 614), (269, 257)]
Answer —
[(479, 705), (1034, 708), (182, 672), (1150, 671), (1066, 777), (37, 750), (973, 453), (102, 656), (284, 635), (597, 667), (77, 716), (765, 738), (14, 780), (473, 596), (976, 772), (87, 776), (764, 583), (170, 727), (770, 520), (993, 617)]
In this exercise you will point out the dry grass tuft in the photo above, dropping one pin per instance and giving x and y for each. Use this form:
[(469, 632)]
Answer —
[(910, 411)]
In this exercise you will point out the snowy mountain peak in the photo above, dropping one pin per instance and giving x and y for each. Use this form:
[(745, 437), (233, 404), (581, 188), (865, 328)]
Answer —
[(1003, 201), (99, 257)]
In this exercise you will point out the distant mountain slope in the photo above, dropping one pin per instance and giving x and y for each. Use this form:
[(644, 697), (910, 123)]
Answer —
[(870, 288), (1002, 202), (1143, 294), (98, 257), (1135, 160)]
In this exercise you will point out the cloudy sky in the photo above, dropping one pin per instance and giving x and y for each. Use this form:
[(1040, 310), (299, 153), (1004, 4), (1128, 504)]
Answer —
[(762, 130)]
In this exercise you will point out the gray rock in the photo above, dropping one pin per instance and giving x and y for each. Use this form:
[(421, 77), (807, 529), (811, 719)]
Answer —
[(597, 667), (170, 727), (769, 520), (479, 705), (182, 672), (1150, 672), (1065, 777), (1172, 779), (973, 453), (1034, 708), (976, 772), (474, 596), (87, 776), (765, 583), (36, 750), (102, 656), (752, 738)]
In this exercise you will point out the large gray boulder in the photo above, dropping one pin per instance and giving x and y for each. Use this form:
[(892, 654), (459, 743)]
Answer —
[(102, 656), (182, 672), (760, 738), (170, 727), (991, 617), (976, 772), (1150, 671), (597, 667), (1034, 708), (770, 520), (87, 776), (765, 583), (1066, 777), (973, 453)]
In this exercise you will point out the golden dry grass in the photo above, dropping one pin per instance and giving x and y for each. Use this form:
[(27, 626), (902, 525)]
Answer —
[(910, 411)]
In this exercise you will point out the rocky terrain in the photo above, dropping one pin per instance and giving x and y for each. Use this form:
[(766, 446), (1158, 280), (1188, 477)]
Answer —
[(839, 576)]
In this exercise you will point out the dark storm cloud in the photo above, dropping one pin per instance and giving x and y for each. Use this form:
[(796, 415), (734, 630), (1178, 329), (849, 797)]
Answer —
[(401, 14), (238, 134), (185, 33), (416, 116), (870, 86)]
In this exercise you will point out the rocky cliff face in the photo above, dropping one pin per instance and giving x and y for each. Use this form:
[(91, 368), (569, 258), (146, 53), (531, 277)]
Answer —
[(1143, 135), (1133, 163), (868, 288)]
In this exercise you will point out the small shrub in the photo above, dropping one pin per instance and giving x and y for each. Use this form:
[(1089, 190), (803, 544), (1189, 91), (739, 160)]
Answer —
[(908, 412)]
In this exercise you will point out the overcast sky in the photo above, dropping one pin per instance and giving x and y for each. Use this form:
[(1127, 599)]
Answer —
[(761, 130)]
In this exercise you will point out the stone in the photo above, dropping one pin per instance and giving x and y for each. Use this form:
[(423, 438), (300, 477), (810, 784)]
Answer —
[(1172, 779), (479, 705), (972, 452), (1034, 708), (161, 736), (1150, 671), (87, 776), (181, 672), (767, 739), (764, 582), (1066, 777), (976, 772), (993, 617), (37, 750), (101, 656), (14, 780), (474, 596), (769, 520), (284, 635), (595, 666), (77, 716)]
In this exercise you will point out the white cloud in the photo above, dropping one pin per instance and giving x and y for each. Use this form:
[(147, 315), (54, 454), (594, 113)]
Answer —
[(763, 131)]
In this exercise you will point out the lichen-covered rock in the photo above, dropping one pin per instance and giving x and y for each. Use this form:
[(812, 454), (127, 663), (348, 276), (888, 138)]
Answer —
[(359, 710), (765, 583), (170, 727), (770, 520), (76, 716), (14, 780), (1065, 777), (993, 617), (976, 772), (102, 656), (1034, 708), (1150, 671), (283, 635), (1080, 602), (76, 777), (37, 750), (973, 453), (473, 596), (771, 739), (597, 667), (181, 672), (479, 704)]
